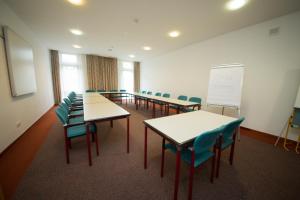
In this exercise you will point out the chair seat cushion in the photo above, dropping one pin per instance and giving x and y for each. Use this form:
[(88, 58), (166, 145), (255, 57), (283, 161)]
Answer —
[(226, 143), (76, 112), (76, 131), (75, 120), (186, 155)]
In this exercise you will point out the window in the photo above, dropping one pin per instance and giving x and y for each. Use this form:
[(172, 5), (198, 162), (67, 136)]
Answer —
[(71, 75), (126, 78)]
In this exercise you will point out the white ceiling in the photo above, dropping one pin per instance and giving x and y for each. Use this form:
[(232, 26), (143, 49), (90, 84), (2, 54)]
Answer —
[(108, 23)]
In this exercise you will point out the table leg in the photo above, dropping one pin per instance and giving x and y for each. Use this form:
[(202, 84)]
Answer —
[(88, 143), (177, 111), (111, 123), (145, 149), (127, 134), (177, 174)]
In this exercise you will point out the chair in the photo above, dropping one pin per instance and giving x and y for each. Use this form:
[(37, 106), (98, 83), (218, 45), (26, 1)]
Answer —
[(73, 106), (101, 90), (71, 112), (294, 122), (227, 139), (90, 90), (202, 149), (166, 95), (73, 130), (194, 100), (182, 98)]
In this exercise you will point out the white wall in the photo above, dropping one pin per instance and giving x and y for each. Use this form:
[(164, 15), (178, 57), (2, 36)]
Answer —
[(272, 72), (29, 108)]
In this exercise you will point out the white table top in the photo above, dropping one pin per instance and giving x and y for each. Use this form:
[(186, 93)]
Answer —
[(167, 100), (97, 107), (185, 127)]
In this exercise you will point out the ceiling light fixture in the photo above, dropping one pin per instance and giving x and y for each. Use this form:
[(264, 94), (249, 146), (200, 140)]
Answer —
[(174, 34), (131, 56), (236, 4), (76, 46), (76, 31), (76, 2), (147, 48)]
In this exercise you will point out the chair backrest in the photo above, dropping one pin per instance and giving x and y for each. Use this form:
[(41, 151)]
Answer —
[(65, 106), (101, 90), (195, 99), (63, 118), (230, 128), (149, 93), (113, 90), (167, 95), (158, 94), (90, 90), (296, 117), (122, 90), (182, 97), (143, 92), (207, 140), (68, 102)]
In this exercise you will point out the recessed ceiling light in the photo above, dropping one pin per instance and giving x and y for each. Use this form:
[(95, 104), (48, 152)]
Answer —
[(235, 4), (76, 46), (174, 34), (76, 2), (76, 31), (131, 56), (147, 48)]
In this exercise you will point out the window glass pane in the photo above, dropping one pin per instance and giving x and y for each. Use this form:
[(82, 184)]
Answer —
[(68, 59), (128, 65), (126, 76)]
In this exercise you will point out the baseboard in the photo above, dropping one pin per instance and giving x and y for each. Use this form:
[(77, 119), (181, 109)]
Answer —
[(266, 137)]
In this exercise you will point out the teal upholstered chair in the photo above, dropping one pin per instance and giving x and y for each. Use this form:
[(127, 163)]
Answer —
[(182, 98), (149, 93), (194, 100), (90, 90), (73, 130), (201, 150), (72, 105), (74, 99), (101, 90), (166, 95), (143, 92), (70, 111), (227, 139)]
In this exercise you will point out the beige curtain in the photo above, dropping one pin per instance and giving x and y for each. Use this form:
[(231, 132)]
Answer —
[(55, 76), (102, 72), (137, 76)]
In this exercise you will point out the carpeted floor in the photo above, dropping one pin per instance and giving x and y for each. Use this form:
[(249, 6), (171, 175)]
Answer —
[(260, 171)]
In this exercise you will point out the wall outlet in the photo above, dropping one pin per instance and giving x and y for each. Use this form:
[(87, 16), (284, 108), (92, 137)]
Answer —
[(18, 124)]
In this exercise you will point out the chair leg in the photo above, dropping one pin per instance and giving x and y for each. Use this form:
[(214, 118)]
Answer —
[(213, 166), (162, 158), (69, 143), (66, 146), (218, 162), (296, 149), (192, 170), (97, 146), (232, 150)]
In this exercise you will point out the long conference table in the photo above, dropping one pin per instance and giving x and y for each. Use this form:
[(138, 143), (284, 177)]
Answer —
[(97, 108), (181, 130), (178, 104)]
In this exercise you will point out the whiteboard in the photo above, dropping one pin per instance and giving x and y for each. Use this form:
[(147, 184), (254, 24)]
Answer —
[(19, 56), (225, 85), (297, 102)]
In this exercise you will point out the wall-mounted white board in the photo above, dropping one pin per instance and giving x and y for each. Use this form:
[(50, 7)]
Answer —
[(297, 102), (19, 54), (225, 85)]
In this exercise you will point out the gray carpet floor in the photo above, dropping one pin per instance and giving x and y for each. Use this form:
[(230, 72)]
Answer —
[(260, 171)]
